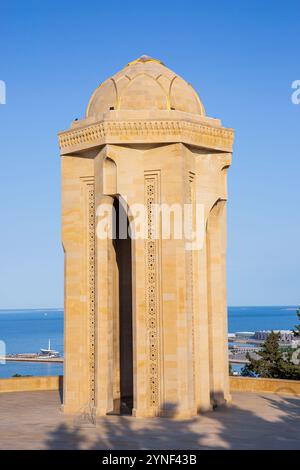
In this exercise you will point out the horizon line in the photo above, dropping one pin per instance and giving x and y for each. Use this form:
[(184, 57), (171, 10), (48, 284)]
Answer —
[(229, 306)]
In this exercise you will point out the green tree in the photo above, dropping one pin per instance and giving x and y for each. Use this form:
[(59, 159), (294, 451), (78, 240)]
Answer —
[(273, 362), (289, 370), (269, 363), (297, 327)]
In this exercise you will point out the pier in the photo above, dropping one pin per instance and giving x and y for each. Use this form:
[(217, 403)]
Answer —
[(31, 359)]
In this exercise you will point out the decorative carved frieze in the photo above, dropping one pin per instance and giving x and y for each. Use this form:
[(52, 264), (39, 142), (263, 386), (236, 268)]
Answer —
[(91, 281), (152, 288), (104, 132), (91, 286)]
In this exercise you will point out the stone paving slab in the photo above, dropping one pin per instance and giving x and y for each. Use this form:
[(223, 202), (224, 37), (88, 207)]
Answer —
[(33, 420)]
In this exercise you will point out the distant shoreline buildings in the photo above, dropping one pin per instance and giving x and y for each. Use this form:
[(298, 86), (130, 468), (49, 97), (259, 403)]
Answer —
[(285, 336)]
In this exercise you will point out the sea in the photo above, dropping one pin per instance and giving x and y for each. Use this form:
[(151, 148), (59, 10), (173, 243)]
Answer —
[(27, 331)]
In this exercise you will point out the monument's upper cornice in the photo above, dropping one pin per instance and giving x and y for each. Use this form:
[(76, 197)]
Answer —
[(140, 128)]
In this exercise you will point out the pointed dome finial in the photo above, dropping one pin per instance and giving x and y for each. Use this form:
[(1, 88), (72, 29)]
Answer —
[(144, 58)]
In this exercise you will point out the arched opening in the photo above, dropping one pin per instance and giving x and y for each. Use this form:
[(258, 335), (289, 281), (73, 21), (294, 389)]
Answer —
[(109, 176), (123, 336)]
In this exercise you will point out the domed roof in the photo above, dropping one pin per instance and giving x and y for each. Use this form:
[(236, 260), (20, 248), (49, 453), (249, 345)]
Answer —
[(145, 84)]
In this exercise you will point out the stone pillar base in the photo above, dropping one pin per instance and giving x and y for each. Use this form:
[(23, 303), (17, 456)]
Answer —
[(69, 409), (221, 400), (104, 411), (228, 398), (205, 408), (173, 414), (86, 412), (144, 413), (179, 413)]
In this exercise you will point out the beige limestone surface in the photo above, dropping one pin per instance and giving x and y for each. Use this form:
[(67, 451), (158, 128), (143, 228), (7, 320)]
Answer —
[(253, 421), (145, 319), (28, 384), (258, 385)]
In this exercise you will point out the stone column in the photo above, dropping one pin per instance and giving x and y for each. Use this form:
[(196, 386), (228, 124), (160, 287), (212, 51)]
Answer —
[(217, 311), (78, 239)]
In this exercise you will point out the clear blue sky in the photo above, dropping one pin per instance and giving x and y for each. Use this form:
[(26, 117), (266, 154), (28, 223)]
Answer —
[(241, 56)]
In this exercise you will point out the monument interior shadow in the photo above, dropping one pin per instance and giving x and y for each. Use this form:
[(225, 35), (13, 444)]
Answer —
[(123, 254)]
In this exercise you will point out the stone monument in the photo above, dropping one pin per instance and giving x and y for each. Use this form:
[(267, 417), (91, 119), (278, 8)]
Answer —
[(145, 316)]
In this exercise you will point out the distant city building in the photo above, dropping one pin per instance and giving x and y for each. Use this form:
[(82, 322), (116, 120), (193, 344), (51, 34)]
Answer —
[(243, 349), (244, 334), (296, 342), (285, 336)]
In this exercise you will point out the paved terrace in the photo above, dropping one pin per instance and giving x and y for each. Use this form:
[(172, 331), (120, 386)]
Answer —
[(33, 420)]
